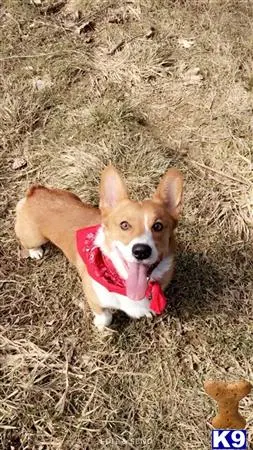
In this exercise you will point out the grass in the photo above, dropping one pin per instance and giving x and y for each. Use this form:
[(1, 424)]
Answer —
[(145, 106)]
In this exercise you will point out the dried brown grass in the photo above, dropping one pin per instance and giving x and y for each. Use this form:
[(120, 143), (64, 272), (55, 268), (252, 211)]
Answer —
[(63, 385)]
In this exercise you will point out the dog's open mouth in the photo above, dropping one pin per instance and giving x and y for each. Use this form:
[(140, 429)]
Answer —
[(138, 274), (137, 281)]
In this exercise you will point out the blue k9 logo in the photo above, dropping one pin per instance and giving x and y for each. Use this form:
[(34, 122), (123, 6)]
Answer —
[(229, 439)]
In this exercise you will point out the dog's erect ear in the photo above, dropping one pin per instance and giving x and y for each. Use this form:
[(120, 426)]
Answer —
[(112, 188), (170, 191)]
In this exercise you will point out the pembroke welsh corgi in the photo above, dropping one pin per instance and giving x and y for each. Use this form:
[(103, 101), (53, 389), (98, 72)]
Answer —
[(123, 250)]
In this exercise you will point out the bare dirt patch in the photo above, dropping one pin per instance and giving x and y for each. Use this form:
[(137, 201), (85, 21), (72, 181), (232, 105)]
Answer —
[(145, 85)]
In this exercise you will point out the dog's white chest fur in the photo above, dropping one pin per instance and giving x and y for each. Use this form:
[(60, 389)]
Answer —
[(111, 300)]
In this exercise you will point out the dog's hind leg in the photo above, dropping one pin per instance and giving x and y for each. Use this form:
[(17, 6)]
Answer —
[(28, 231)]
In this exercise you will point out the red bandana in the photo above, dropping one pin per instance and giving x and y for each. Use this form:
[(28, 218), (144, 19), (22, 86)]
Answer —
[(101, 269)]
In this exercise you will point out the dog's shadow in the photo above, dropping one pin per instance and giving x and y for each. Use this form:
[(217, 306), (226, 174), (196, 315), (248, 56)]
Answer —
[(196, 280)]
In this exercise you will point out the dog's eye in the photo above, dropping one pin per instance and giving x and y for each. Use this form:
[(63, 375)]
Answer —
[(158, 226), (125, 225)]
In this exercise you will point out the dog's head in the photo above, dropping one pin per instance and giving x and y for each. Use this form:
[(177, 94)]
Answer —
[(140, 231)]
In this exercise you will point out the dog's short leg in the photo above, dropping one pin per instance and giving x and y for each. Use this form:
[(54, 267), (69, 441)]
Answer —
[(28, 231), (102, 316)]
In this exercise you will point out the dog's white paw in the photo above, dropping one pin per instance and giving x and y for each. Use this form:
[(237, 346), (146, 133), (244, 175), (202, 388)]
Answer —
[(103, 320), (36, 253), (139, 313)]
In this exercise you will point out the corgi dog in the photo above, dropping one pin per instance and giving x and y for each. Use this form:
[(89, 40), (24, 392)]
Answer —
[(123, 251)]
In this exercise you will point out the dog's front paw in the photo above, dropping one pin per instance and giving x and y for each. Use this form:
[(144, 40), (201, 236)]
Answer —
[(139, 313), (103, 320)]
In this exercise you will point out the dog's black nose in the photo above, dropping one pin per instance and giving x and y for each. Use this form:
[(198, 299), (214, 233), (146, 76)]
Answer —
[(141, 251)]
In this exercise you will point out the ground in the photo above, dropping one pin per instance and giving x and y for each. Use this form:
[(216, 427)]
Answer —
[(145, 84)]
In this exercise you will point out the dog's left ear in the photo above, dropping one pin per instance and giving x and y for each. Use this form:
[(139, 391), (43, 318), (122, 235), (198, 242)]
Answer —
[(170, 191)]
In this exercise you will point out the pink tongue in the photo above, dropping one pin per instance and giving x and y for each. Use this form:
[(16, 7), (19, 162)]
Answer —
[(136, 284)]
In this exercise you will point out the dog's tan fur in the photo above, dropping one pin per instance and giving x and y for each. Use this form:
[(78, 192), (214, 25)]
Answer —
[(55, 215)]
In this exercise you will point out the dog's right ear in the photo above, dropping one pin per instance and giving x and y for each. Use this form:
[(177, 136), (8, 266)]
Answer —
[(112, 189), (170, 191)]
